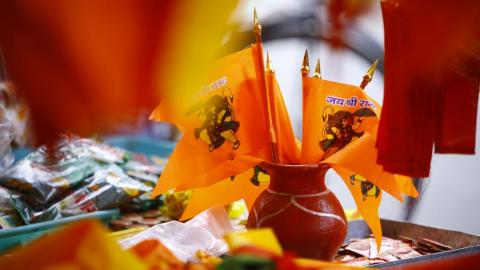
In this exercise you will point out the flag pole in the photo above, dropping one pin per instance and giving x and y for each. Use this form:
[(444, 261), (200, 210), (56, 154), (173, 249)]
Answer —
[(257, 30), (305, 69), (369, 75)]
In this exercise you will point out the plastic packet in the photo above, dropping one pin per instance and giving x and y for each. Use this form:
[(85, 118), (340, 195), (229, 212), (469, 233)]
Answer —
[(49, 173), (43, 185), (204, 232), (109, 187)]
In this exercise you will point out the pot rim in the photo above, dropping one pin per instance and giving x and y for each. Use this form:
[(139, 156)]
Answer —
[(270, 165)]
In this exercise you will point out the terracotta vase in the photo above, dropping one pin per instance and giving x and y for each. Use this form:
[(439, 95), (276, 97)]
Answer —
[(306, 217)]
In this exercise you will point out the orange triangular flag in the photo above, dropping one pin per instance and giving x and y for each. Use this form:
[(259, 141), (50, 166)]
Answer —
[(334, 115), (225, 122), (367, 197), (223, 193), (288, 150)]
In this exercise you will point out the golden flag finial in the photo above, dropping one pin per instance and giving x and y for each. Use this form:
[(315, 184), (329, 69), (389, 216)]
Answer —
[(268, 66), (317, 73), (257, 28), (369, 75), (305, 65)]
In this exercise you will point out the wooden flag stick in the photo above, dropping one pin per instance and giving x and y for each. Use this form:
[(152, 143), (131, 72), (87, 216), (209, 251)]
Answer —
[(257, 30)]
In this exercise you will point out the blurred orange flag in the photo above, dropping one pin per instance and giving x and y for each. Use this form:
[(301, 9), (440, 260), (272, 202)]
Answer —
[(82, 245), (94, 66), (224, 125)]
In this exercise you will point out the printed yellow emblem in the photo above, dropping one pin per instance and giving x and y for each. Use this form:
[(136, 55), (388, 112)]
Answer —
[(368, 188)]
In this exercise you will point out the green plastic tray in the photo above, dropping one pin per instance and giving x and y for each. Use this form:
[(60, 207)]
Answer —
[(10, 238)]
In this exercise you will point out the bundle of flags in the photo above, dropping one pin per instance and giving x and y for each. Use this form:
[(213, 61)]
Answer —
[(238, 120)]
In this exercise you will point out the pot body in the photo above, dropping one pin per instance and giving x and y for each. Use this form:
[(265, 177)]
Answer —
[(306, 217)]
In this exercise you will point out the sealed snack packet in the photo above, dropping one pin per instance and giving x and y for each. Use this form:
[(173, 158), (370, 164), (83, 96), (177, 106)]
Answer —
[(52, 171), (109, 188)]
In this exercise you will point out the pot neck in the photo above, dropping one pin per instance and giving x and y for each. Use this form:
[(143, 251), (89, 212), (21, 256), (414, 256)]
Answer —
[(297, 179)]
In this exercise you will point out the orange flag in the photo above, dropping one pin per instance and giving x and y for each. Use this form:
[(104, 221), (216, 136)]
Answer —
[(367, 197), (339, 127), (225, 192), (224, 125), (334, 115), (90, 66), (288, 150), (81, 245)]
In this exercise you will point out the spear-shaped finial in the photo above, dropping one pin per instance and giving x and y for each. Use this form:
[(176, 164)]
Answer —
[(369, 75), (305, 65), (268, 66), (317, 73), (257, 28)]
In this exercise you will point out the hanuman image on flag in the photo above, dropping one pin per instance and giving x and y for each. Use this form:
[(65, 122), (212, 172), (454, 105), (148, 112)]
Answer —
[(341, 128), (218, 116)]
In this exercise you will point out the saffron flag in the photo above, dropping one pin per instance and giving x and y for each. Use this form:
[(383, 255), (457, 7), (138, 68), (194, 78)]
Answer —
[(340, 122), (225, 192), (90, 66), (81, 245), (287, 148), (224, 125), (334, 115), (367, 197)]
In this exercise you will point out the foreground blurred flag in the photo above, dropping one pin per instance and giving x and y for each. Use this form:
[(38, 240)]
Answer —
[(224, 124), (83, 245), (87, 66)]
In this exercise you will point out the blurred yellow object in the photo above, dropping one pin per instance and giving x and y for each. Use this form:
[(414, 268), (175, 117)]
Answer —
[(84, 245), (262, 238), (353, 214), (175, 203), (236, 209)]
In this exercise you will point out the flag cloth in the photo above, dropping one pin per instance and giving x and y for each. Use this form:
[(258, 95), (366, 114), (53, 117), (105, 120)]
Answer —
[(334, 114), (225, 192), (340, 123), (225, 129), (425, 99), (367, 197), (246, 185), (287, 148)]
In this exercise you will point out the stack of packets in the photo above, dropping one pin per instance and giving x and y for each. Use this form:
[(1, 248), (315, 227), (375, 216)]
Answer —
[(87, 245), (364, 251), (74, 176)]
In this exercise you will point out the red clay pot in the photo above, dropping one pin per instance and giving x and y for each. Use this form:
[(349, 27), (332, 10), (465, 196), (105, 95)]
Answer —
[(306, 217)]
